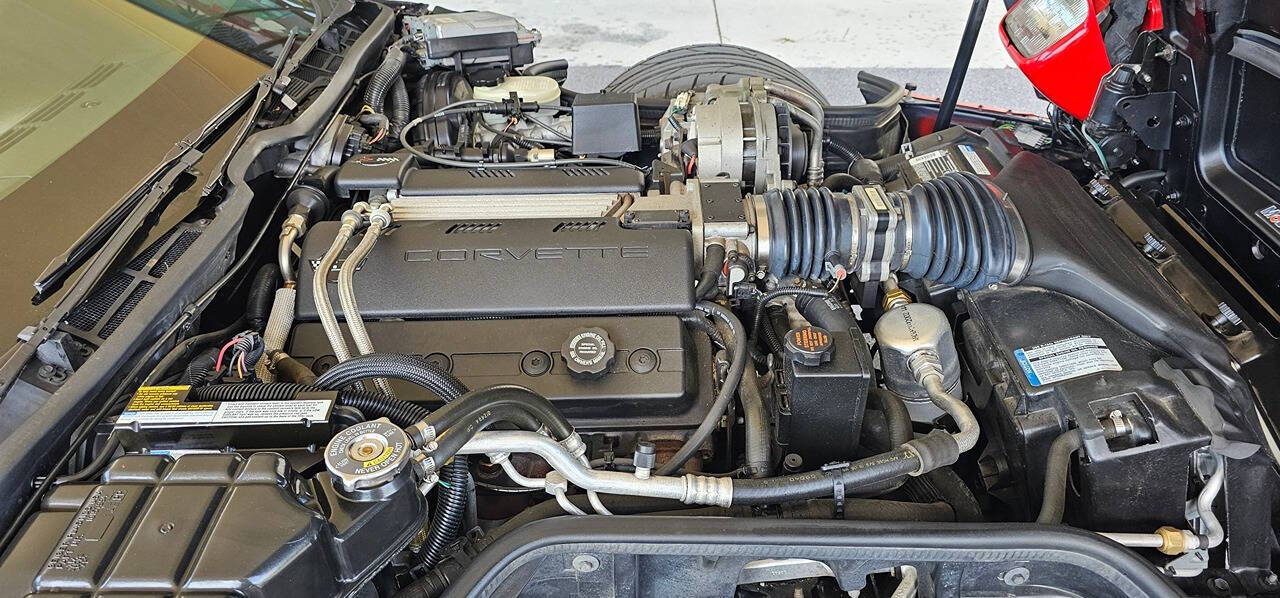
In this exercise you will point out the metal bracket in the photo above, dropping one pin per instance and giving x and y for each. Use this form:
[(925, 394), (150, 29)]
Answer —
[(1150, 116)]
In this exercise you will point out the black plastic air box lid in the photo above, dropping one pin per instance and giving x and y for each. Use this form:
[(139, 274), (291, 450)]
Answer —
[(605, 124)]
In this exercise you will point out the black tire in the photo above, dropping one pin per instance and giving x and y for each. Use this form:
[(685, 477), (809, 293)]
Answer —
[(667, 73)]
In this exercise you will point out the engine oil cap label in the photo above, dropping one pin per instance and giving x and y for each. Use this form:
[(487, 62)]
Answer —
[(1068, 358)]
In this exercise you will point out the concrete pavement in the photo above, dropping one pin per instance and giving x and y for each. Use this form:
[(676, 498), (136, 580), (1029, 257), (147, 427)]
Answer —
[(829, 40)]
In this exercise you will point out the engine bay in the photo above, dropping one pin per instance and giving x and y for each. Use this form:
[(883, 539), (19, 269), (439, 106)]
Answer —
[(485, 301)]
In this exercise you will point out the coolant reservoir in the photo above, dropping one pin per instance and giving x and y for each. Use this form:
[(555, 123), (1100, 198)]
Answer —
[(534, 89), (540, 90)]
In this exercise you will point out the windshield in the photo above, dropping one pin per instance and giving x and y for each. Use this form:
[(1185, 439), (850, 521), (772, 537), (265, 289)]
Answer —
[(95, 93)]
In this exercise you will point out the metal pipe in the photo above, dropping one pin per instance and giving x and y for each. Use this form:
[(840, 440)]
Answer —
[(967, 436), (807, 110), (907, 586), (961, 66), (284, 252), (1204, 503), (690, 488)]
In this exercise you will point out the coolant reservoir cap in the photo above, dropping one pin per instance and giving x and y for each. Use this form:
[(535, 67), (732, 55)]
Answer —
[(808, 345), (588, 352), (367, 455)]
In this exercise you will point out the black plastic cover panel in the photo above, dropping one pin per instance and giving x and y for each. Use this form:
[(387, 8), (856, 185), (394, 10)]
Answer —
[(652, 381), (207, 525), (444, 269)]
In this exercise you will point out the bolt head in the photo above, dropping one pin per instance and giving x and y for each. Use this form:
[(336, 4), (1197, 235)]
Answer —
[(585, 563)]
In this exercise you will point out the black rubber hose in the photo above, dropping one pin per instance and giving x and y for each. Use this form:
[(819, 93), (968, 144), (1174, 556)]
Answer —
[(712, 265), (849, 154), (833, 315), (468, 407), (770, 330), (897, 419), (855, 509), (262, 292), (1057, 467), (1138, 178), (818, 484), (840, 182), (699, 322), (945, 484), (93, 467), (780, 292), (453, 439), (395, 366), (738, 362), (545, 67), (398, 108), (867, 172), (200, 366), (961, 234), (383, 78), (757, 433), (451, 507)]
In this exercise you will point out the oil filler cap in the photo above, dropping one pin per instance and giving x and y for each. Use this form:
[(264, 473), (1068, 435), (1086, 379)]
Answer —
[(367, 455), (588, 353), (809, 345)]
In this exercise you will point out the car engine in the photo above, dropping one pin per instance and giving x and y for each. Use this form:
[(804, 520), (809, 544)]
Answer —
[(495, 300)]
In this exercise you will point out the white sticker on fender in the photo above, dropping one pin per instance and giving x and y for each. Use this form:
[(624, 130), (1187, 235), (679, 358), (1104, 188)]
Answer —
[(1068, 358)]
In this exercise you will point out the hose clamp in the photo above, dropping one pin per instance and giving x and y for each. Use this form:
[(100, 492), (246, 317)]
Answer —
[(574, 444), (421, 433), (426, 465), (1021, 264)]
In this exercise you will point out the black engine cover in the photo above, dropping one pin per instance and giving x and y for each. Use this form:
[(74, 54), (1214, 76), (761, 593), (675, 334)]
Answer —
[(653, 382), (421, 270)]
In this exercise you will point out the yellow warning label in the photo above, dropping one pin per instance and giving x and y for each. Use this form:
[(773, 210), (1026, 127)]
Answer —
[(379, 459), (165, 398)]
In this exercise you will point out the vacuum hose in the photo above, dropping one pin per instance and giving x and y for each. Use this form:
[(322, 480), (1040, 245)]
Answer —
[(955, 230)]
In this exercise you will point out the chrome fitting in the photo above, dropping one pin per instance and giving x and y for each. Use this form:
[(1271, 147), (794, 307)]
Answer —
[(707, 490)]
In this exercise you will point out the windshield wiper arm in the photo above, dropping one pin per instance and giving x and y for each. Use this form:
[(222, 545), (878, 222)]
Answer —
[(156, 185)]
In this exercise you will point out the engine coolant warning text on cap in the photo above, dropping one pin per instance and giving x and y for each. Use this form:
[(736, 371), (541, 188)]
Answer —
[(1068, 358)]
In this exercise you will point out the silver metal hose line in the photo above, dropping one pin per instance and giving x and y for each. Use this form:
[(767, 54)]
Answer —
[(320, 284), (379, 219)]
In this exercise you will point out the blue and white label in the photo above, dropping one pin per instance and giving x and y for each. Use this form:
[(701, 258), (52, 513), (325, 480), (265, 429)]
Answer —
[(1068, 358), (974, 160)]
